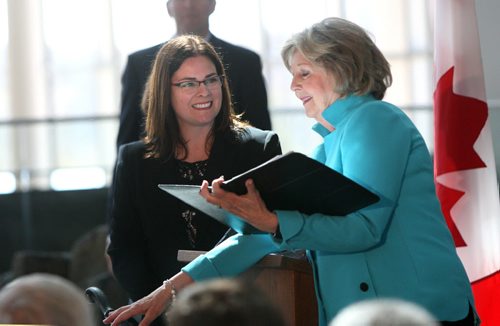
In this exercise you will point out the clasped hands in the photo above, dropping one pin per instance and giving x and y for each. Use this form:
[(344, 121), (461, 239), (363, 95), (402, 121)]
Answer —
[(249, 206)]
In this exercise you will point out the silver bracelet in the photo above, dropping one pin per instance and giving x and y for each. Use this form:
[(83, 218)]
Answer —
[(173, 292)]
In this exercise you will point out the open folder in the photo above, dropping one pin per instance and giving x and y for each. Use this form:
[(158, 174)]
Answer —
[(291, 181)]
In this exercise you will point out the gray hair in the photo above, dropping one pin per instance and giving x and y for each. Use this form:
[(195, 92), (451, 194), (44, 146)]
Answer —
[(384, 312), (346, 51), (44, 299)]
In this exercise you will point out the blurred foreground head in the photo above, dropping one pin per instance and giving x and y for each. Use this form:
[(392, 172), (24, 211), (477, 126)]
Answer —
[(384, 312), (226, 302), (44, 299)]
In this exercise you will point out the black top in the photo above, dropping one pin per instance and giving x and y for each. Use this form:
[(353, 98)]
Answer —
[(191, 174), (147, 227), (244, 72)]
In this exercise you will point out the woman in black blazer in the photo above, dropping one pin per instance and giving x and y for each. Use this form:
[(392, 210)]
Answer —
[(192, 134)]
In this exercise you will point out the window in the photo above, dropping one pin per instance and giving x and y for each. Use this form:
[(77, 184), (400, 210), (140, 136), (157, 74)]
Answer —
[(61, 119), (400, 28)]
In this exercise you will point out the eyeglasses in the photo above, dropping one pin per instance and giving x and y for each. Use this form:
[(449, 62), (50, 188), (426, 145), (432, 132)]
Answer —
[(191, 86)]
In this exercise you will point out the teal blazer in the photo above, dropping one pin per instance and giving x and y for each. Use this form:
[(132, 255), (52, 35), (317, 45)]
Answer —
[(399, 247)]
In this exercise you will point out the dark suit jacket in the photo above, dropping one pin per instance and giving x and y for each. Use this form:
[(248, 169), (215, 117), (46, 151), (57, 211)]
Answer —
[(147, 229), (244, 71)]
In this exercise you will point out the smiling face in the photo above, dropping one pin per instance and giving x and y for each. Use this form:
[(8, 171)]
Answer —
[(196, 109), (313, 85)]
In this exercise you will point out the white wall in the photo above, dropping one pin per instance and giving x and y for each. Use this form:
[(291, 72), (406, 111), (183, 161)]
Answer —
[(488, 13)]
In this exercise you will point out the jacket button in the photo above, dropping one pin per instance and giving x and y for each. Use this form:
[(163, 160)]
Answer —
[(363, 286)]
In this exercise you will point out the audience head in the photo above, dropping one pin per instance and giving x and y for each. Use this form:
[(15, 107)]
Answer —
[(224, 302), (191, 16), (347, 52), (166, 93), (44, 299), (384, 312)]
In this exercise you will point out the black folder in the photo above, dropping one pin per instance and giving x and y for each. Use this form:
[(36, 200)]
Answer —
[(291, 181)]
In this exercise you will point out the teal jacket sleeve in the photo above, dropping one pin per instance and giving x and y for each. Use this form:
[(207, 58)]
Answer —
[(231, 257), (372, 148)]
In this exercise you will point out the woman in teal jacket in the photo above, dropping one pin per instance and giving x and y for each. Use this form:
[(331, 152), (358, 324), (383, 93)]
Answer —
[(399, 247)]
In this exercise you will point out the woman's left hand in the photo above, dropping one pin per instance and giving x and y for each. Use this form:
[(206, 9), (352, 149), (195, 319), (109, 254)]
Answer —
[(249, 206), (151, 306)]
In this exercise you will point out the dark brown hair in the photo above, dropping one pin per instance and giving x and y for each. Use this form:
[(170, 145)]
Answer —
[(163, 136)]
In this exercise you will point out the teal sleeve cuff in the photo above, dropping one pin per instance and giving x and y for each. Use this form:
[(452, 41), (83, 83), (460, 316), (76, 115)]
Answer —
[(201, 269), (290, 223), (231, 257)]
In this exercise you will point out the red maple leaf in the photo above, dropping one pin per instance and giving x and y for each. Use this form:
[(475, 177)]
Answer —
[(448, 197), (458, 120)]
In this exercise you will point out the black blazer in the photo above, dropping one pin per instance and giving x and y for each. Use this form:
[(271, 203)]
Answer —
[(146, 227), (244, 71)]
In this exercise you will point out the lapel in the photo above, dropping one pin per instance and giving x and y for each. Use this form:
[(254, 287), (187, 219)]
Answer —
[(160, 172), (222, 159)]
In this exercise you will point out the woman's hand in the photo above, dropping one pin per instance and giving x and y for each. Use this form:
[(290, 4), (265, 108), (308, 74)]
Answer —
[(152, 305), (249, 206)]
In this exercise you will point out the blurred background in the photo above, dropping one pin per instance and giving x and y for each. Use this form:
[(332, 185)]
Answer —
[(60, 68)]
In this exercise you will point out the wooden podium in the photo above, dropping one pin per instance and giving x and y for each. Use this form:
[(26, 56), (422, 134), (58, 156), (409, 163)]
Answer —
[(287, 280)]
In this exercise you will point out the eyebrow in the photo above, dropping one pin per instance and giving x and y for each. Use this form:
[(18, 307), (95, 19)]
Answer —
[(192, 78), (305, 63)]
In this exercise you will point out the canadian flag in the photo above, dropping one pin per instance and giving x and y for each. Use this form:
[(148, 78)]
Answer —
[(465, 174)]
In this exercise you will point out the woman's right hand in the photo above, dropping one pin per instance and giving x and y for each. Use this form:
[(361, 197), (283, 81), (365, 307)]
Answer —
[(249, 206), (151, 306)]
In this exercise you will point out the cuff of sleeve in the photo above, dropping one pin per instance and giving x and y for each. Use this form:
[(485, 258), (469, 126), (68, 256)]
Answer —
[(289, 223), (201, 269), (277, 235)]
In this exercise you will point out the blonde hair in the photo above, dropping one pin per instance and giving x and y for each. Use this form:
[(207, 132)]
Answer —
[(346, 51)]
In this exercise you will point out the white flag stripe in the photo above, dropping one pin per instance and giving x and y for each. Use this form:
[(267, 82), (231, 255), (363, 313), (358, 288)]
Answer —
[(457, 43)]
